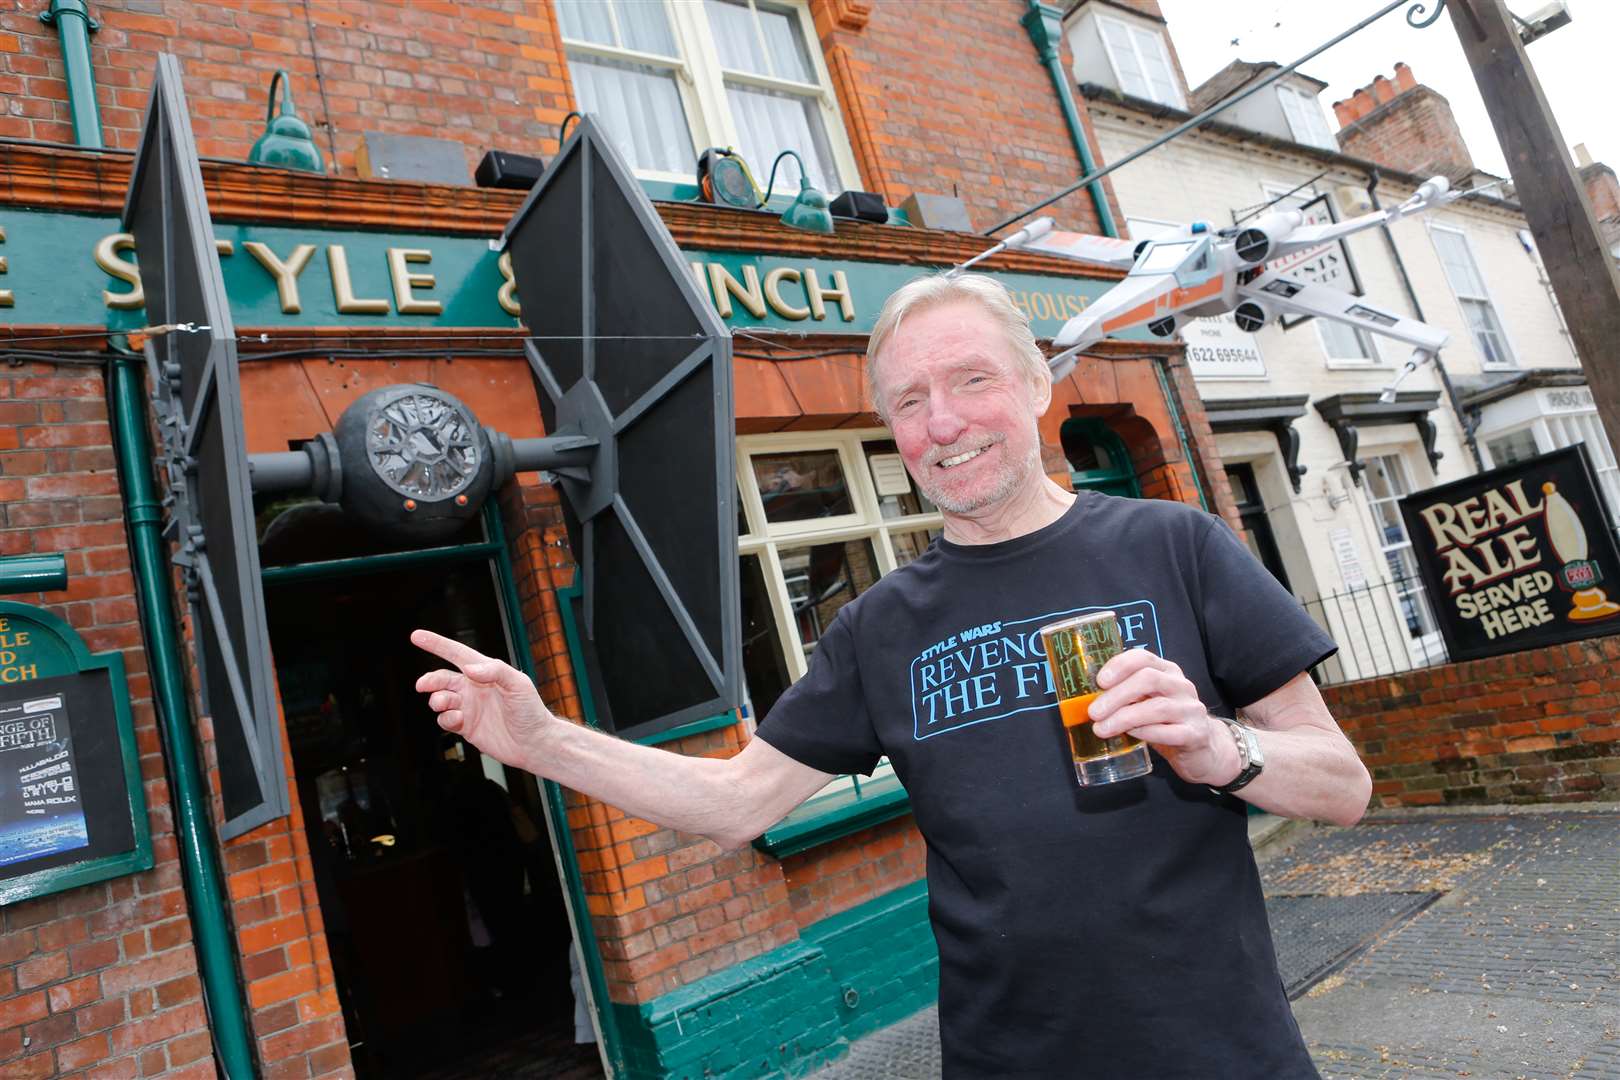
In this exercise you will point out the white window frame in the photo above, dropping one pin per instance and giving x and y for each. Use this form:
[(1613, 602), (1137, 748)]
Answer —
[(767, 540), (1512, 362), (1428, 647), (1130, 29), (701, 81), (1309, 106)]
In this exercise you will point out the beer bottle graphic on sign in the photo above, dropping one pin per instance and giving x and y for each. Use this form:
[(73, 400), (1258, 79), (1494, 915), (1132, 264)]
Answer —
[(1579, 574)]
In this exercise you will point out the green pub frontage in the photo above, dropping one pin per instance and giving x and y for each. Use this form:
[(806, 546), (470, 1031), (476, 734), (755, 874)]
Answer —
[(263, 842)]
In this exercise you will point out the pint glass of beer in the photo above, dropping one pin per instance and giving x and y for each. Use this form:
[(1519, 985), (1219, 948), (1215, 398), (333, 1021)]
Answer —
[(1076, 649)]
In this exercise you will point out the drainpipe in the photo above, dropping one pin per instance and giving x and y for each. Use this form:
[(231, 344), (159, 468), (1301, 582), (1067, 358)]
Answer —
[(205, 891), (74, 25), (1045, 27), (1469, 424)]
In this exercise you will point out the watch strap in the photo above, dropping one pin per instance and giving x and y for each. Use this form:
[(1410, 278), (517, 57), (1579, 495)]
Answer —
[(1248, 757)]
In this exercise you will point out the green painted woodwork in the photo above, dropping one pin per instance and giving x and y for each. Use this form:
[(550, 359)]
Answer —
[(696, 727), (1119, 479), (796, 1008), (562, 837), (883, 956), (828, 817), (331, 569), (773, 1015), (54, 649), (54, 278)]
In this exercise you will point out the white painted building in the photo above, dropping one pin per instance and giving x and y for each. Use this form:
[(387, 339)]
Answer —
[(1315, 462)]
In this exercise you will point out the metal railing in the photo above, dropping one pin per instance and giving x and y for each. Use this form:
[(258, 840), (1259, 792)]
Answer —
[(1382, 628)]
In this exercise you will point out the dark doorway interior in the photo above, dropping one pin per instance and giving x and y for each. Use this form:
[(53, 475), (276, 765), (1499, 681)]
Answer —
[(438, 890), (1256, 525)]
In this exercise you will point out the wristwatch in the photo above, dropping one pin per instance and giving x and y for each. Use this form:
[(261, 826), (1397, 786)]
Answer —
[(1250, 756)]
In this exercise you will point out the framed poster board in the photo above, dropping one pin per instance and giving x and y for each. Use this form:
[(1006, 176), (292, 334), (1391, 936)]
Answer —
[(72, 810), (1518, 557)]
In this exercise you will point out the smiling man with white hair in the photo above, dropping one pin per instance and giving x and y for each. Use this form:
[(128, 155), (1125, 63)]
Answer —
[(1090, 932)]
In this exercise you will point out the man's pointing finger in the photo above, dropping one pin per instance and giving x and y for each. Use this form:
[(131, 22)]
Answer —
[(446, 648)]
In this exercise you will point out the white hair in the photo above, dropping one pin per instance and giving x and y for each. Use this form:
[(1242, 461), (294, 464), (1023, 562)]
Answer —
[(931, 291)]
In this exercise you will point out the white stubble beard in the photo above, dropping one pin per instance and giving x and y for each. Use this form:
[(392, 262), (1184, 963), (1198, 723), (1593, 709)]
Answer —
[(1006, 481)]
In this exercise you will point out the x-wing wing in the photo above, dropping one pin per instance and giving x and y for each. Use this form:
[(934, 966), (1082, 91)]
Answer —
[(1197, 271)]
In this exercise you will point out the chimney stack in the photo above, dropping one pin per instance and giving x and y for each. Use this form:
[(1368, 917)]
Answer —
[(1402, 124)]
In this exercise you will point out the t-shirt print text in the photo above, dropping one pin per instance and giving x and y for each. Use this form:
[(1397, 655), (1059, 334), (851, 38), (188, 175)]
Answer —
[(997, 669)]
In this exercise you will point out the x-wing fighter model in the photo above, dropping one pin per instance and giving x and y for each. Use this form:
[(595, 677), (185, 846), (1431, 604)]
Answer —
[(1198, 271)]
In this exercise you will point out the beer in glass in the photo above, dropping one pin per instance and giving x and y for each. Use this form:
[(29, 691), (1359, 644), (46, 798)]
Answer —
[(1076, 649)]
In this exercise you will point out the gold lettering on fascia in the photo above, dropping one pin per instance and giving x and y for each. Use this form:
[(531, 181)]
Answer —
[(507, 297), (1049, 305), (748, 292), (773, 294), (285, 272), (7, 299), (11, 671), (107, 258), (337, 261), (406, 302), (819, 296)]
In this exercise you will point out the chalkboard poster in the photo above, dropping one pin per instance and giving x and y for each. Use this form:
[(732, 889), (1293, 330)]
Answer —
[(1518, 557), (71, 805), (41, 790)]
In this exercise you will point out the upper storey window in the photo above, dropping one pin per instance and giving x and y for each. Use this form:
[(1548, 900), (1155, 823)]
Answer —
[(669, 79), (1140, 61), (1305, 117)]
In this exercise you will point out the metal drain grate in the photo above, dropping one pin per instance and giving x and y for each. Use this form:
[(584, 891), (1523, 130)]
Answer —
[(1317, 935)]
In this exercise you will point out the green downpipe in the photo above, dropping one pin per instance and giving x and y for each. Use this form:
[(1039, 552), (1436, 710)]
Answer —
[(205, 892), (73, 25), (1045, 27)]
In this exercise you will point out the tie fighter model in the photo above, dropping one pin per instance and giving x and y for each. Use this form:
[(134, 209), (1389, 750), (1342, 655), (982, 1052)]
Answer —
[(1197, 271)]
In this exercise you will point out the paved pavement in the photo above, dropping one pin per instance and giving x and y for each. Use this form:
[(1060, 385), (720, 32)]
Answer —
[(1481, 944)]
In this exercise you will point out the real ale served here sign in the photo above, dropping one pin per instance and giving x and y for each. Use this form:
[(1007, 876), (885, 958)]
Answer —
[(1518, 557)]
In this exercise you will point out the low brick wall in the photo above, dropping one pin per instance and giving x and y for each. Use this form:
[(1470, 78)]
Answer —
[(1534, 726)]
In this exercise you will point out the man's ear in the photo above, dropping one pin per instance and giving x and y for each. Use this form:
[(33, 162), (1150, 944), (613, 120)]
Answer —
[(1041, 395)]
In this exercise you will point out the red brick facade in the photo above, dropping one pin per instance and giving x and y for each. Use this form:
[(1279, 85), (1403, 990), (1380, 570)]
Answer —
[(1404, 125), (104, 977), (1536, 726), (492, 74), (101, 980)]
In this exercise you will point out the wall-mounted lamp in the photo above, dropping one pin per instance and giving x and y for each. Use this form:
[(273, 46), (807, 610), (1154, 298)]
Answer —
[(286, 142), (809, 210)]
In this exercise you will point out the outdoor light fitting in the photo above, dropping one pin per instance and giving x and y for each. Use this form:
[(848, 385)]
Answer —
[(809, 210), (286, 142)]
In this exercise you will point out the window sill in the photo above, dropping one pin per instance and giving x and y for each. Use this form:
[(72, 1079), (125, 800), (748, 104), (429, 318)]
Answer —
[(831, 817)]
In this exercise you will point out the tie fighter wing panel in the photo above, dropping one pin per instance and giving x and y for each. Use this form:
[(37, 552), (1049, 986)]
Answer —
[(1278, 293)]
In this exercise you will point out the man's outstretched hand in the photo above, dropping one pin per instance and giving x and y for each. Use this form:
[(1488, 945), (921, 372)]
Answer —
[(488, 702)]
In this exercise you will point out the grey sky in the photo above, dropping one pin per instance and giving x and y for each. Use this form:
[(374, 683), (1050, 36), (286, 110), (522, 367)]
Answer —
[(1569, 62)]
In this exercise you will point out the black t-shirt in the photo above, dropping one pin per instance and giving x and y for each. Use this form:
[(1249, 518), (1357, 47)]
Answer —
[(1108, 932)]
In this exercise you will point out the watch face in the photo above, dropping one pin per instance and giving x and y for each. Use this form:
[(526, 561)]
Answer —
[(423, 446)]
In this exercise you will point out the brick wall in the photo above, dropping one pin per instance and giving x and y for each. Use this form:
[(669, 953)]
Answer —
[(1535, 726), (1000, 146), (484, 73), (491, 73), (99, 980), (1404, 125), (833, 878), (1602, 189)]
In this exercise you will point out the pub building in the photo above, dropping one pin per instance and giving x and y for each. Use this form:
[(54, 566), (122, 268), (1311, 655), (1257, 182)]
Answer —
[(391, 903)]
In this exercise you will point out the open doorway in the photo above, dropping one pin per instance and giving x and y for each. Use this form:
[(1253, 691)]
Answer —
[(444, 916)]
